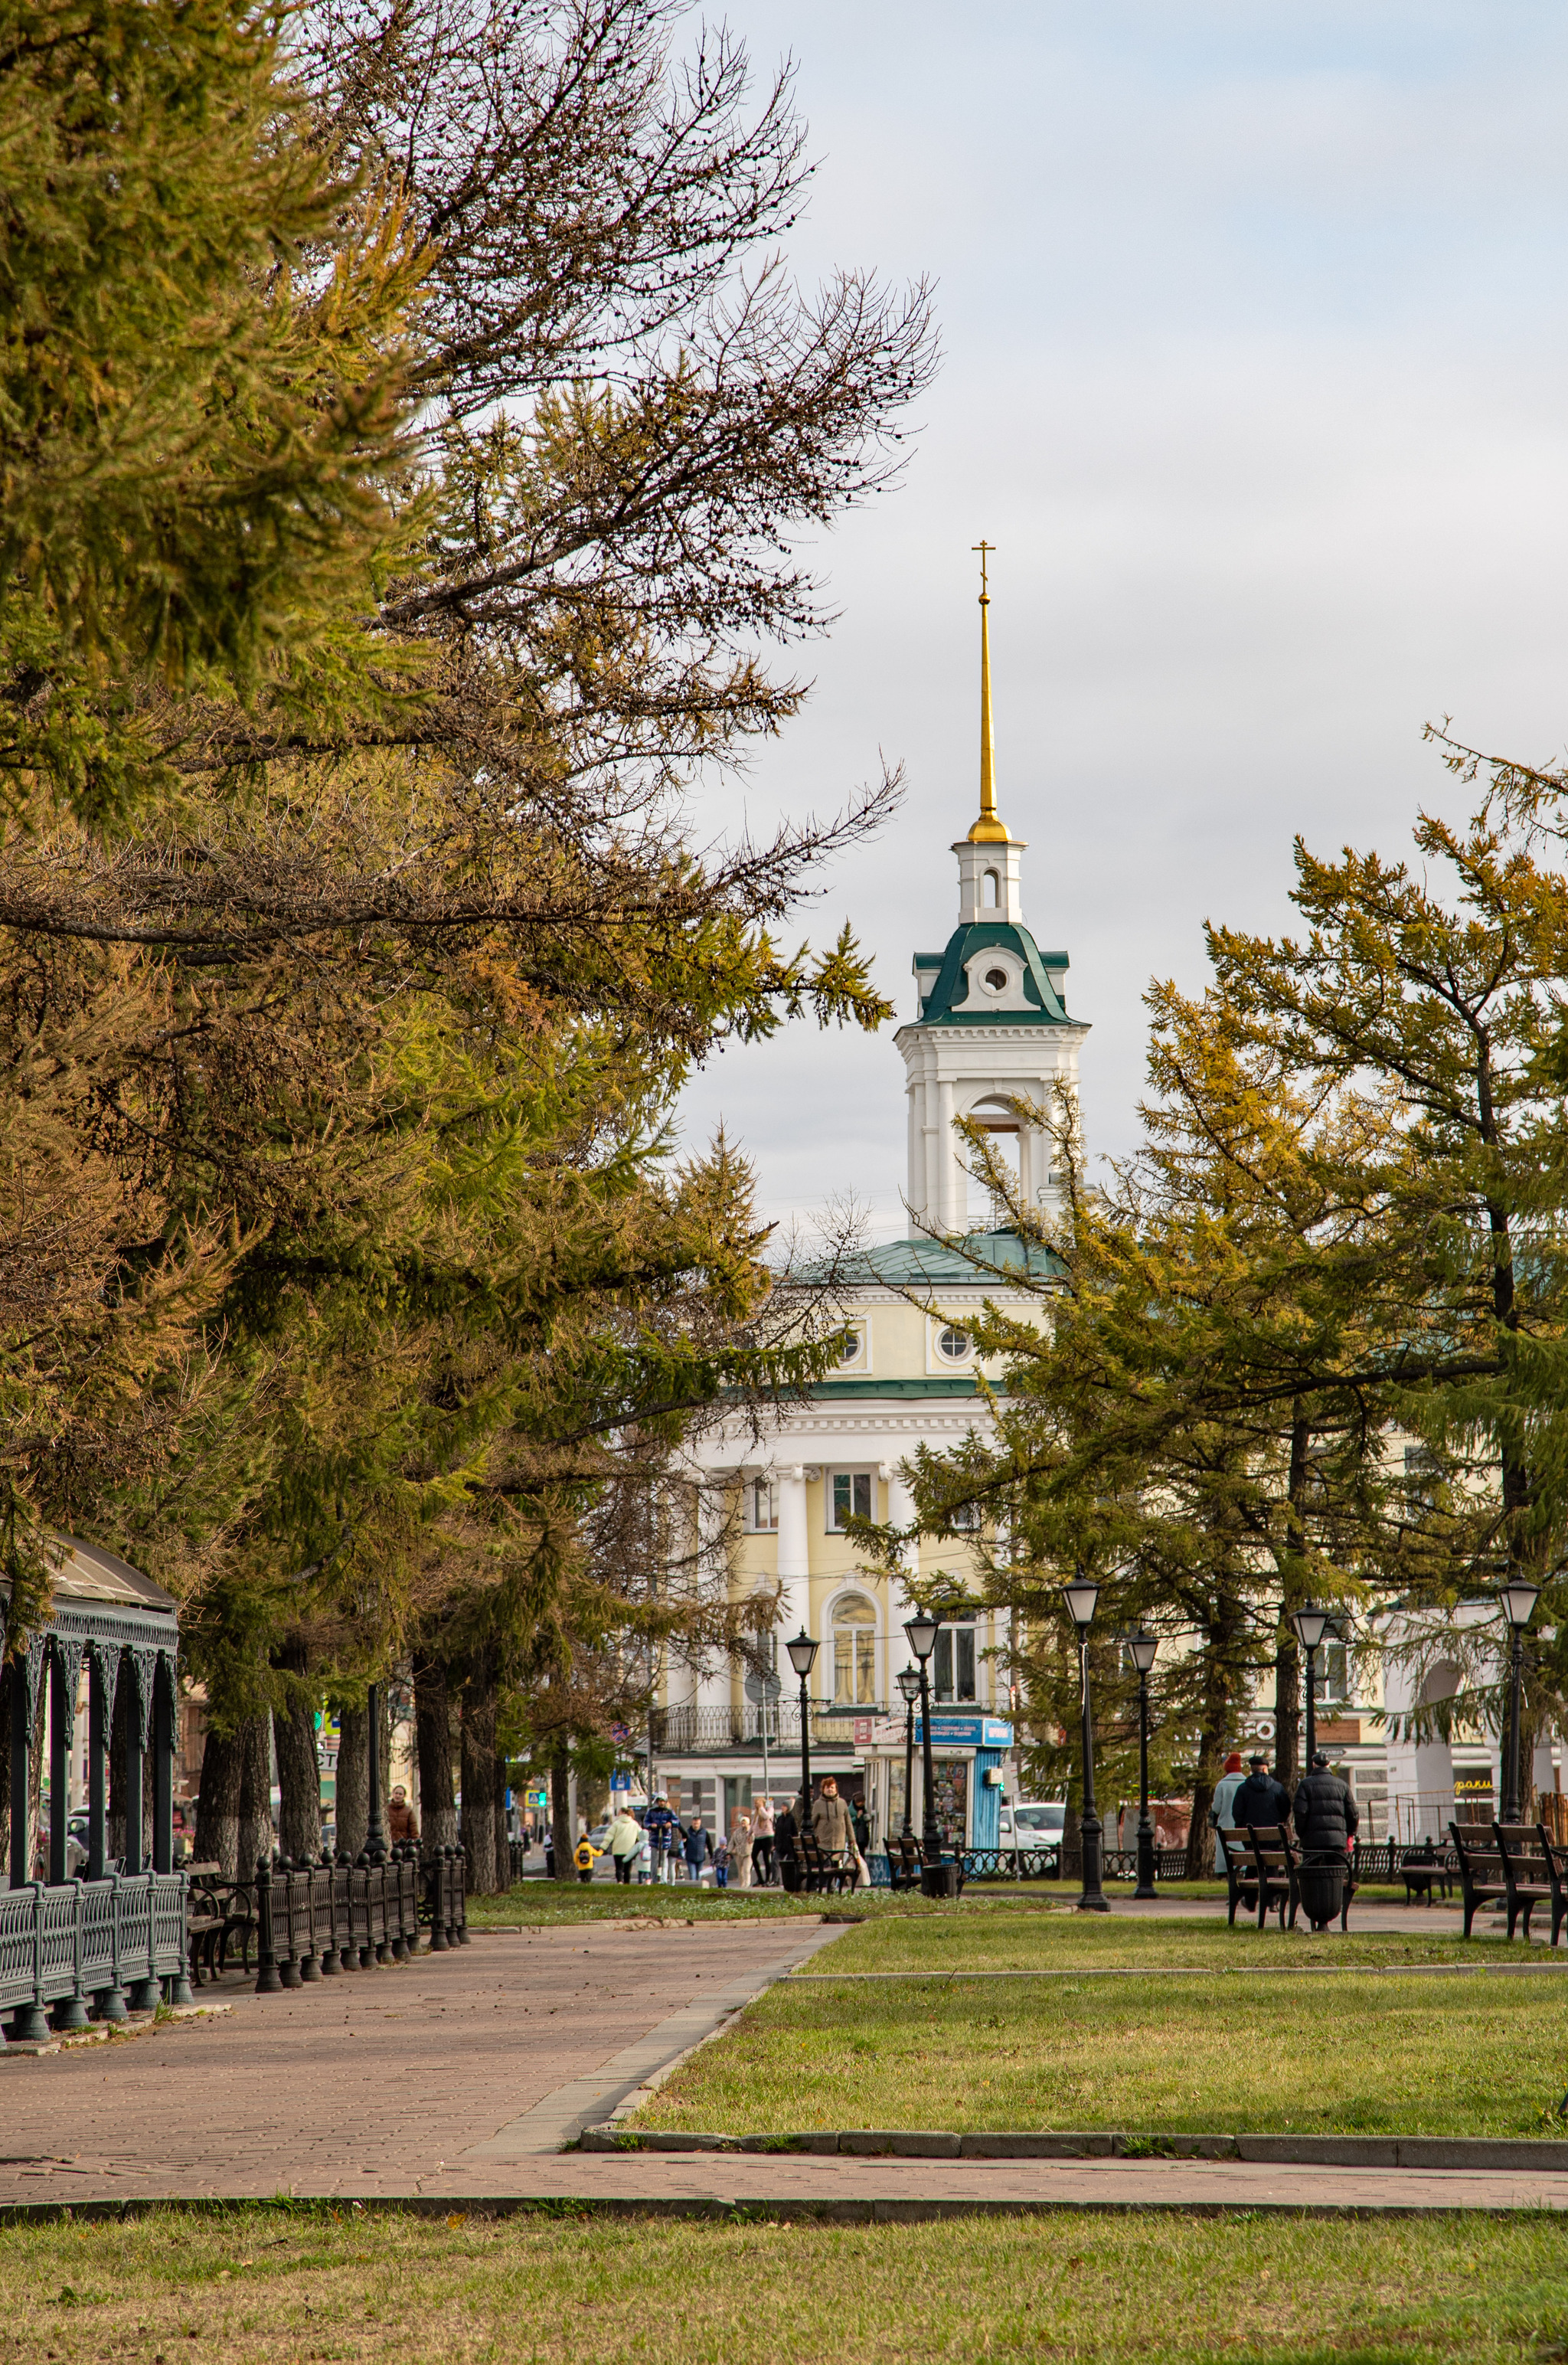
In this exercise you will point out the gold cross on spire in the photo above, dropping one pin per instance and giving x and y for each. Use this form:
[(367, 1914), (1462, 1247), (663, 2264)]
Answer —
[(988, 829)]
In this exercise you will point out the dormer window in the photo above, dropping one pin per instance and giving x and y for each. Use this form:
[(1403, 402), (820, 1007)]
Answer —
[(997, 980)]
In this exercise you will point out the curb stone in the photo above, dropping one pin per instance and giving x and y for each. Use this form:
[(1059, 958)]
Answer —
[(135, 2024), (1503, 2152)]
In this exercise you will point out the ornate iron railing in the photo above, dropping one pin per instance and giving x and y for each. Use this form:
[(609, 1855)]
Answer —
[(316, 1920), (116, 1944), (692, 1727)]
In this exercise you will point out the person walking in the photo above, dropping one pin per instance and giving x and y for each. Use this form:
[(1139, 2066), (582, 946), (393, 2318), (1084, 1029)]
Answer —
[(740, 1847), (762, 1841), (786, 1835), (831, 1825), (1261, 1802), (402, 1823), (1220, 1814), (661, 1827), (1325, 1814), (585, 1855), (699, 1847), (625, 1838)]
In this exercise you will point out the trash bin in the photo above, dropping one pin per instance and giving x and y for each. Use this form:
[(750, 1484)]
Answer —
[(1320, 1881)]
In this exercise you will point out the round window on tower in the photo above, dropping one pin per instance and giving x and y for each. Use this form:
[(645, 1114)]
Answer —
[(849, 1345), (952, 1344), (997, 980)]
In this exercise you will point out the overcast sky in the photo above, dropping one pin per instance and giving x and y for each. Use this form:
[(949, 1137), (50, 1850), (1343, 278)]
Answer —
[(1253, 320)]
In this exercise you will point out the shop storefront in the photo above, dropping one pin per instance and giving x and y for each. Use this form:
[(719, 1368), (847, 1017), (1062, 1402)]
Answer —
[(967, 1755)]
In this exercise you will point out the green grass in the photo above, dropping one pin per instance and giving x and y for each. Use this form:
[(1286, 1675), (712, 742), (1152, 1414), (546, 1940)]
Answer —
[(1362, 2054), (1064, 1940), (546, 1901), (261, 2286)]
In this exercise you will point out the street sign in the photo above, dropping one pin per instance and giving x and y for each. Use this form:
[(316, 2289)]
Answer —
[(758, 1688)]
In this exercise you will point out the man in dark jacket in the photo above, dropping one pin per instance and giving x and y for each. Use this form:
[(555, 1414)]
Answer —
[(1326, 1815), (1262, 1801)]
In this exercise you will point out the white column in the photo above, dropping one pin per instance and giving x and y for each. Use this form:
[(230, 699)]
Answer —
[(952, 1207), (713, 1506), (901, 1512), (794, 1554)]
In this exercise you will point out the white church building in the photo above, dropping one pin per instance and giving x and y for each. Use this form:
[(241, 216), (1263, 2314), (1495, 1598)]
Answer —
[(991, 1025)]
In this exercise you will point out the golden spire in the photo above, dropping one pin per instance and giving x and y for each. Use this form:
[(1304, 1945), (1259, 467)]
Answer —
[(988, 830)]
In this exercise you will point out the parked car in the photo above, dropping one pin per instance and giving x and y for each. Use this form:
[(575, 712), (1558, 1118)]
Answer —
[(1034, 1823)]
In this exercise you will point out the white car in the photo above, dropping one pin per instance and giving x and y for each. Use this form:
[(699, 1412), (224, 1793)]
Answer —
[(1033, 1823)]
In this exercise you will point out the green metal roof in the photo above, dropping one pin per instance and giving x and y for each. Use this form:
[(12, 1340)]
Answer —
[(936, 1265), (960, 1385), (949, 1003)]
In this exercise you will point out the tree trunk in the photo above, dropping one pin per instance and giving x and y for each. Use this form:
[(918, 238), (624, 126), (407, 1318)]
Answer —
[(353, 1782), (432, 1741), (218, 1805), (479, 1775), (298, 1773), (503, 1843), (561, 1812), (254, 1739), (1287, 1712)]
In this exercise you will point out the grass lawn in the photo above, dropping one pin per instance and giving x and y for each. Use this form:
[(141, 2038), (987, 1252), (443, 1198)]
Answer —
[(261, 2286), (546, 1901), (1065, 1941), (1367, 2054)]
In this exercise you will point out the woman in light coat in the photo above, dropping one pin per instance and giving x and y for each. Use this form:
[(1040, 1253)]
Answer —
[(740, 1848)]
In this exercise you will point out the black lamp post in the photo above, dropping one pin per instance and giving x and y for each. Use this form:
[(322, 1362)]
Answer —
[(1080, 1598), (1519, 1601), (1311, 1625), (802, 1652), (922, 1631), (909, 1683), (1143, 1648), (374, 1828)]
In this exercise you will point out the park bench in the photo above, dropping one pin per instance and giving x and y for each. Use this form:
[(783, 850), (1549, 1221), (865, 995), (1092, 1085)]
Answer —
[(1274, 1861), (1482, 1879), (1526, 1874), (903, 1861), (1260, 1870), (822, 1871), (1240, 1873), (1555, 1851), (1423, 1869)]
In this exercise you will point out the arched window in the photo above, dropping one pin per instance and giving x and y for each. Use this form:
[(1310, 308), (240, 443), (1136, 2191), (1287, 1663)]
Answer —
[(990, 887), (854, 1653)]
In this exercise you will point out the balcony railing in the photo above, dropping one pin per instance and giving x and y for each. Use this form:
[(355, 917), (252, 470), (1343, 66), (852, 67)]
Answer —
[(695, 1728)]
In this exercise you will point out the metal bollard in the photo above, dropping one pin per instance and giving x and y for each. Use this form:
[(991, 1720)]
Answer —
[(267, 1979), (460, 1894)]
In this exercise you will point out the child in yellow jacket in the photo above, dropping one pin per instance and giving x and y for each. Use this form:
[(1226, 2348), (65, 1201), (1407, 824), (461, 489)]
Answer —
[(584, 1856)]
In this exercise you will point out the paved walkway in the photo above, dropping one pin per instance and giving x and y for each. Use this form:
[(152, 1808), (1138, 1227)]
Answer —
[(455, 2079)]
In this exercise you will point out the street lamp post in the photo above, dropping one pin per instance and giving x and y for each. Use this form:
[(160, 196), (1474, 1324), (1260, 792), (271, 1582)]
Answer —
[(375, 1829), (1519, 1601), (802, 1652), (909, 1683), (922, 1631), (1311, 1625), (1143, 1648), (1080, 1598)]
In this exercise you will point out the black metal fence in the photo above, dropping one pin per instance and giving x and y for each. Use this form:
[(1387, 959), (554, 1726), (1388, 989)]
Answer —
[(118, 1945), (313, 1921)]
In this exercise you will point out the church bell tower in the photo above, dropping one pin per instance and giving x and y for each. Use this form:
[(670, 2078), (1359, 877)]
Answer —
[(993, 1023)]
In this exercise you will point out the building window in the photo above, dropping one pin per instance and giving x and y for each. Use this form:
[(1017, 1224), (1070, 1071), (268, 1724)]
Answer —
[(952, 1344), (855, 1652), (1332, 1671), (850, 1497), (762, 1497), (851, 1343), (954, 1663), (988, 886)]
